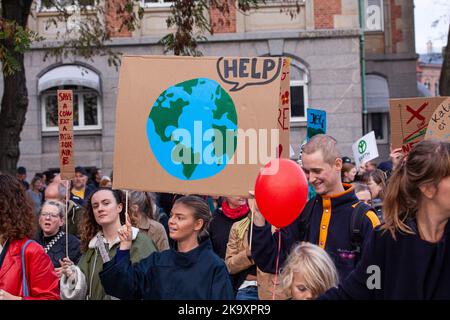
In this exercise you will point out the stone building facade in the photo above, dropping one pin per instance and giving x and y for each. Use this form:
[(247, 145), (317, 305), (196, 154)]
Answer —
[(323, 40)]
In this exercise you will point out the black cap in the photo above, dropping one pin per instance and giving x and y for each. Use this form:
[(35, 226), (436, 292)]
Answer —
[(81, 170), (21, 170), (346, 160)]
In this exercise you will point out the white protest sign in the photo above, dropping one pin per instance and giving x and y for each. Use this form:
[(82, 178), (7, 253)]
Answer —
[(365, 149)]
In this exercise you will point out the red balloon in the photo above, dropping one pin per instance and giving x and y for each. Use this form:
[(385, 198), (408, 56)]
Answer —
[(281, 192)]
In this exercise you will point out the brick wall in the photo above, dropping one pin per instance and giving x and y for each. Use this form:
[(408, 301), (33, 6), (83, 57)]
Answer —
[(114, 18), (223, 21), (324, 11), (397, 34)]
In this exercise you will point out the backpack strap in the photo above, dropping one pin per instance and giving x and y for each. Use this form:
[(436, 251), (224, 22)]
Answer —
[(356, 225), (305, 217), (24, 276)]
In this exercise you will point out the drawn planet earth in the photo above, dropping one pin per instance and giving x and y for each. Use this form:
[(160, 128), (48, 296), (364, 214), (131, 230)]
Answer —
[(192, 129)]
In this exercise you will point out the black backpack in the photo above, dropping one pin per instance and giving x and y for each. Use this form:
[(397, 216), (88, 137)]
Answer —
[(356, 225)]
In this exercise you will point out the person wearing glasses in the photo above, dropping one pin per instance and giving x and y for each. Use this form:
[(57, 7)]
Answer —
[(52, 236)]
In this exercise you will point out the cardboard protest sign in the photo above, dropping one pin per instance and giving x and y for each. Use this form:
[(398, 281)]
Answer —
[(316, 122), (365, 149), (410, 119), (439, 125), (65, 125), (199, 125)]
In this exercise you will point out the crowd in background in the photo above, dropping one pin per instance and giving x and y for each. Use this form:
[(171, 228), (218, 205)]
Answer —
[(169, 246)]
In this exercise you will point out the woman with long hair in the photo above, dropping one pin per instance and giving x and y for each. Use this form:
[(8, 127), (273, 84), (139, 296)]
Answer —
[(20, 259), (100, 226), (192, 271), (409, 256)]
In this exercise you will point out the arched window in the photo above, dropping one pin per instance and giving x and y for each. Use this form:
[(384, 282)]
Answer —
[(377, 98), (85, 84), (299, 91)]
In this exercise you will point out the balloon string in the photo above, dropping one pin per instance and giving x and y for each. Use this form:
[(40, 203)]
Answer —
[(277, 265), (252, 209)]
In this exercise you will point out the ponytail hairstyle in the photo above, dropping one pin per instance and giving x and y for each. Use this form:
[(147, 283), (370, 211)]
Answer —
[(427, 163), (143, 201), (200, 210)]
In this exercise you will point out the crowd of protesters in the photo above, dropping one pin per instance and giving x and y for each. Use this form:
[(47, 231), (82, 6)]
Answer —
[(93, 242)]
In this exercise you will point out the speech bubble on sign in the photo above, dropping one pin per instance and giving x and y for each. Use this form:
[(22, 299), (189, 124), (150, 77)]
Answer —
[(244, 72)]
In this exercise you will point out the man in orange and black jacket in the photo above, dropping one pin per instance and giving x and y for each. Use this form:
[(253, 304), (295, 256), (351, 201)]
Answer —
[(326, 219)]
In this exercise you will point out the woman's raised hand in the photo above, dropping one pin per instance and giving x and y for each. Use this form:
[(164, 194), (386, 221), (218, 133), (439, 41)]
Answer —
[(126, 234)]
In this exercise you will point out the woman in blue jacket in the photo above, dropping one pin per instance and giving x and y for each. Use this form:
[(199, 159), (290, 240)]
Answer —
[(192, 271), (409, 256)]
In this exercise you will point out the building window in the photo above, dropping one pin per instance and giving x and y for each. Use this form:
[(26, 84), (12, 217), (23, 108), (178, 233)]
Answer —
[(48, 5), (156, 3), (436, 88), (86, 108), (378, 122), (298, 92), (374, 15), (427, 84)]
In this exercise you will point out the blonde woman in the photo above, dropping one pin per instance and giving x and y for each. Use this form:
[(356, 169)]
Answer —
[(308, 272)]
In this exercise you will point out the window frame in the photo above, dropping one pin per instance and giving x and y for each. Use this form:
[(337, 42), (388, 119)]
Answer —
[(159, 4), (81, 120), (366, 2), (384, 124), (69, 8), (298, 83)]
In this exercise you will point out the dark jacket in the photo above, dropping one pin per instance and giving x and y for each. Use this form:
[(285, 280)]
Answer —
[(74, 216), (81, 201), (195, 275), (58, 250), (333, 235), (409, 268), (219, 231)]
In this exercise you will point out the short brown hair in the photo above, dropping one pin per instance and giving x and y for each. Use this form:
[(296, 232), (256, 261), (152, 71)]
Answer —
[(324, 143), (17, 219)]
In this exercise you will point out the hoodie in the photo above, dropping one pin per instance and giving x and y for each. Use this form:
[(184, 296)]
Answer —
[(195, 275)]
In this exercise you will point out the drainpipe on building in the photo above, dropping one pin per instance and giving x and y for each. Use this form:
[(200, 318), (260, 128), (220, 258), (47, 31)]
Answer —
[(363, 66)]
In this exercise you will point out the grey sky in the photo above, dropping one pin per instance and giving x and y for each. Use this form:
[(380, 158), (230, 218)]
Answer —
[(425, 13)]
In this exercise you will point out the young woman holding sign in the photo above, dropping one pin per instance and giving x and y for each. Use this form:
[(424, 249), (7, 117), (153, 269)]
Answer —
[(192, 271), (99, 243)]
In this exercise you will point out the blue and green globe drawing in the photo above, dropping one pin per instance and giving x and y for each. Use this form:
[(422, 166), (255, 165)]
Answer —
[(192, 129)]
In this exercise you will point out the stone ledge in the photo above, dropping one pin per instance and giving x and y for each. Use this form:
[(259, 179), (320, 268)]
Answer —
[(229, 37)]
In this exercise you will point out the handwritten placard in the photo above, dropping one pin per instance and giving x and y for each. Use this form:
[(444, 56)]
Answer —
[(65, 124), (439, 125), (317, 122)]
